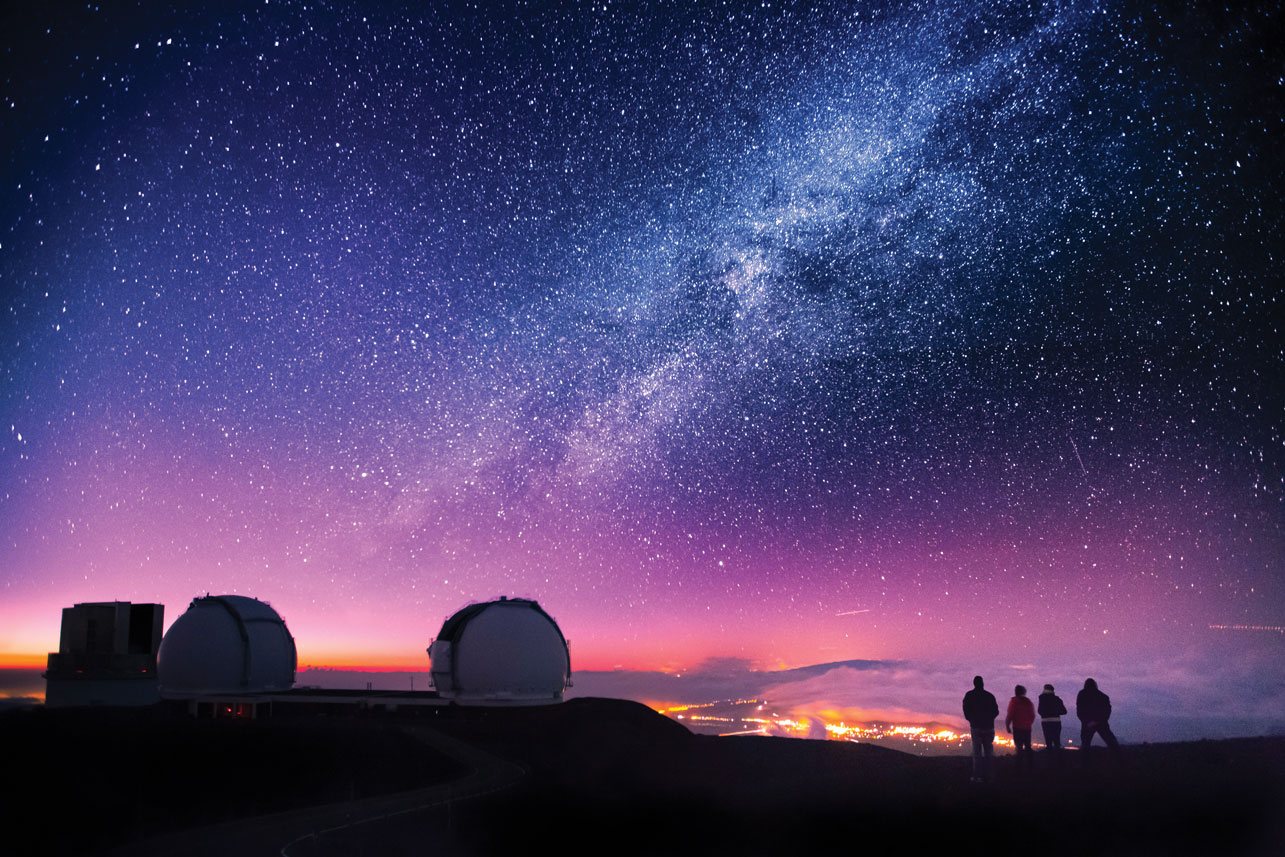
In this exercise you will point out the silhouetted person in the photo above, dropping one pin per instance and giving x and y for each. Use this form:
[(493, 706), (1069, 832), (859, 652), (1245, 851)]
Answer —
[(980, 710), (1093, 707), (1051, 710), (1018, 722)]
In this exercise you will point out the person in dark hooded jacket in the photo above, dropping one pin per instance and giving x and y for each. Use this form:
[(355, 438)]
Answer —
[(1093, 707), (980, 710), (1051, 710)]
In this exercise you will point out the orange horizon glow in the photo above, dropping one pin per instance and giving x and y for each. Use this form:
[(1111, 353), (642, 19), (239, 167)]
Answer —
[(382, 662), (374, 662), (421, 664)]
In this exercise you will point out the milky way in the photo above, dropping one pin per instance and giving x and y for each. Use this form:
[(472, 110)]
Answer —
[(794, 332)]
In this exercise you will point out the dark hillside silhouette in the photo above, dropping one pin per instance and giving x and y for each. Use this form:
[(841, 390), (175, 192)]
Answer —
[(597, 776), (121, 775)]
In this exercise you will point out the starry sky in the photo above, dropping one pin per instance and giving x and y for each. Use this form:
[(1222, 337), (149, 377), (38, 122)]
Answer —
[(787, 332)]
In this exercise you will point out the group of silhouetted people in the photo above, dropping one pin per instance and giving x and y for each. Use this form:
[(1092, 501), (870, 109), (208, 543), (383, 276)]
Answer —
[(1092, 707)]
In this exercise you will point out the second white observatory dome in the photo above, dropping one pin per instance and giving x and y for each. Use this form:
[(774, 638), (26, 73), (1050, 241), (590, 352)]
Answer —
[(505, 652)]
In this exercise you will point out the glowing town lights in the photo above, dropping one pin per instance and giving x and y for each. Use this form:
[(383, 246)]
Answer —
[(928, 738), (669, 709), (876, 731)]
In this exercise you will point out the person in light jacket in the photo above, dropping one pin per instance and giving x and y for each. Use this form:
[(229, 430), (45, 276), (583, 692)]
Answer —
[(1051, 710)]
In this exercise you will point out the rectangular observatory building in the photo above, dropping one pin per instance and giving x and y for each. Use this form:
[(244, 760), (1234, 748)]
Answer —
[(106, 655)]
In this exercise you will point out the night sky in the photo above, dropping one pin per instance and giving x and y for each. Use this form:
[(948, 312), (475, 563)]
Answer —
[(788, 332)]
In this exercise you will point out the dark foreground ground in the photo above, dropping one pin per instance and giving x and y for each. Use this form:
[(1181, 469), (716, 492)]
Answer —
[(597, 776)]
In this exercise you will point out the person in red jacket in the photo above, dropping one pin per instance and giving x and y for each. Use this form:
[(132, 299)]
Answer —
[(1018, 722)]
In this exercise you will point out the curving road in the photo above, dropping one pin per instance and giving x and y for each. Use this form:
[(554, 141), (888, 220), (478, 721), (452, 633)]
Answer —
[(303, 833)]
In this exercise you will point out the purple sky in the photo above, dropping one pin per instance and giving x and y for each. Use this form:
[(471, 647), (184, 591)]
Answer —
[(789, 332)]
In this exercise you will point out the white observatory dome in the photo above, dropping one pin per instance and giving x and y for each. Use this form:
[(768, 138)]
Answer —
[(506, 652), (226, 644)]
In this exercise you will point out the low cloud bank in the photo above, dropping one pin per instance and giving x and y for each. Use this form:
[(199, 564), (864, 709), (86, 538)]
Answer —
[(1209, 693), (714, 680), (22, 687), (337, 679)]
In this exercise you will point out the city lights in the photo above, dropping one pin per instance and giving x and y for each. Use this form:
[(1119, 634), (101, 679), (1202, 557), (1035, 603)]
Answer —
[(754, 717)]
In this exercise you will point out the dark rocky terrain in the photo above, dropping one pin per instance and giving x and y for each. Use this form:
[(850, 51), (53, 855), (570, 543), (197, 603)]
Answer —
[(83, 780), (599, 776), (605, 771)]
